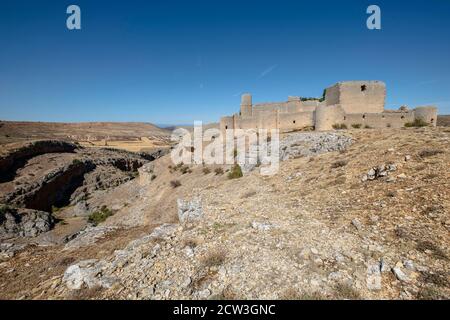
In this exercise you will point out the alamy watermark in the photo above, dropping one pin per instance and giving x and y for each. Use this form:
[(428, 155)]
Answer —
[(249, 148), (374, 20), (73, 21)]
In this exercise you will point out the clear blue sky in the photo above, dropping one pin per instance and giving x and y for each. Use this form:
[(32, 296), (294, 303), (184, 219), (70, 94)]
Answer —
[(178, 61)]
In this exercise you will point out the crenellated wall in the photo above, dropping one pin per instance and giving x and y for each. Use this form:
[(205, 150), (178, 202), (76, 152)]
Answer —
[(356, 104)]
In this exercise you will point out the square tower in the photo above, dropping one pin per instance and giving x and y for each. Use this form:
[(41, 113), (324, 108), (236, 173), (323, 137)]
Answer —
[(357, 96)]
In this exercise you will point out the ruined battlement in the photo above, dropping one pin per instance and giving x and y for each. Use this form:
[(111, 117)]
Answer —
[(350, 103)]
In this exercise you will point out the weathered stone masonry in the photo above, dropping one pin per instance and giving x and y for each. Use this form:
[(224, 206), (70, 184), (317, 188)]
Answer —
[(353, 103)]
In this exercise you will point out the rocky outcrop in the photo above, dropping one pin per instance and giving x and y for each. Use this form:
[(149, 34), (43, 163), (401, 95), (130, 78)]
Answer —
[(189, 210), (309, 144), (24, 222), (46, 181), (153, 155), (53, 189), (16, 158)]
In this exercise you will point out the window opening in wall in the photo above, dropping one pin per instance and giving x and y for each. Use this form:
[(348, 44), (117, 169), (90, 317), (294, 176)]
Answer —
[(363, 87), (293, 121), (364, 116), (345, 118), (226, 127), (432, 120), (402, 117)]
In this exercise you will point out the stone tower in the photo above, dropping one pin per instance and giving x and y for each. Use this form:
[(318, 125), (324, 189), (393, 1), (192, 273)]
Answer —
[(246, 105)]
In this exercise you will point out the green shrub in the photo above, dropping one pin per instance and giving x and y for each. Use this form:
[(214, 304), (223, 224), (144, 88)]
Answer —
[(367, 127), (55, 209), (356, 125), (417, 123), (323, 95), (236, 172), (206, 170), (76, 162), (99, 216), (218, 171)]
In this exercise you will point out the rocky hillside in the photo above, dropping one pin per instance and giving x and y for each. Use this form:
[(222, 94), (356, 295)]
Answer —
[(357, 214), (58, 180)]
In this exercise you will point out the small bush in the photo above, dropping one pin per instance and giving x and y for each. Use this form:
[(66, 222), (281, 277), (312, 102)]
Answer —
[(76, 162), (388, 125), (429, 153), (367, 127), (190, 242), (356, 125), (417, 123), (100, 216), (218, 171), (340, 126), (236, 172), (391, 194), (55, 209), (206, 170), (344, 291), (153, 177), (175, 183), (214, 258), (339, 163), (185, 169), (3, 210)]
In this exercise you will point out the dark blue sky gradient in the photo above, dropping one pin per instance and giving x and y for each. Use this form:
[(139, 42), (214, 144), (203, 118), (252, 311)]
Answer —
[(179, 61)]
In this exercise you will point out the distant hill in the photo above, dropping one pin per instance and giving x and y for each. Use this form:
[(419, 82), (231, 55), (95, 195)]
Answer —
[(12, 131), (443, 120)]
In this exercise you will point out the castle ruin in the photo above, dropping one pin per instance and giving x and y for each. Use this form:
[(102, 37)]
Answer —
[(349, 104)]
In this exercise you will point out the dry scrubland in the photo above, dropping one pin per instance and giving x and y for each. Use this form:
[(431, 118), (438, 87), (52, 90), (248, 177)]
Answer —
[(322, 228), (131, 136)]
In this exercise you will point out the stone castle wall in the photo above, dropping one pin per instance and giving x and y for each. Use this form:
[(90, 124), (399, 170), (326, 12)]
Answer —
[(352, 103)]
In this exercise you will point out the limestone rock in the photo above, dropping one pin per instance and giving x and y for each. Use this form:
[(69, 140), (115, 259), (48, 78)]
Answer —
[(24, 222), (189, 210)]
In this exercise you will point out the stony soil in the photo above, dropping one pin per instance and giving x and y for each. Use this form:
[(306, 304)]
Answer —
[(370, 221)]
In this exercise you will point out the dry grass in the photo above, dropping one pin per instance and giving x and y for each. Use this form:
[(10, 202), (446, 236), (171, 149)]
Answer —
[(214, 258), (190, 242), (339, 163), (429, 153), (293, 294), (431, 293), (86, 294), (430, 246), (344, 291)]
